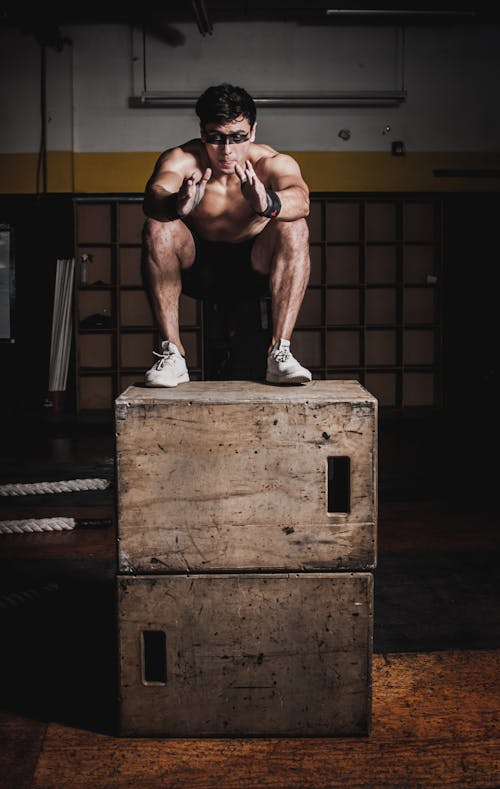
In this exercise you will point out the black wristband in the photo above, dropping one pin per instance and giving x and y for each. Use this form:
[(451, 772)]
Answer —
[(273, 204)]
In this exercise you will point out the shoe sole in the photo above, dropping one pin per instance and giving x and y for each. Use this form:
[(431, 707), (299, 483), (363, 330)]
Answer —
[(182, 380), (293, 379)]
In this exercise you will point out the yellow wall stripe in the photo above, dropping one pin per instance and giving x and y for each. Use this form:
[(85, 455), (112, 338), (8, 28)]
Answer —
[(379, 171), (324, 171)]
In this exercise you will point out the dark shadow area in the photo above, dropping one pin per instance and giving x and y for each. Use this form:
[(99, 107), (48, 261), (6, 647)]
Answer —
[(435, 601), (58, 660), (43, 233), (237, 337)]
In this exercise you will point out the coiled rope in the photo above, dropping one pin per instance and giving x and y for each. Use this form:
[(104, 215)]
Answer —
[(13, 599), (36, 525), (65, 486), (32, 525)]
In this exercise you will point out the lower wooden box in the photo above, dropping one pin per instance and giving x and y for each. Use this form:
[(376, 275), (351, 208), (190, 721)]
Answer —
[(245, 654)]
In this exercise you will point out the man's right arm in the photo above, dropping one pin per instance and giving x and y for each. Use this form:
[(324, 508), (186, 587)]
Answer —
[(176, 186), (163, 186)]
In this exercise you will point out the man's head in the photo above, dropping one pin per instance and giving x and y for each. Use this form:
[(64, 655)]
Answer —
[(227, 123), (222, 103)]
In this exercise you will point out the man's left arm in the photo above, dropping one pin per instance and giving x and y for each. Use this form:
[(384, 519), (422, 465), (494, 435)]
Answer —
[(278, 190)]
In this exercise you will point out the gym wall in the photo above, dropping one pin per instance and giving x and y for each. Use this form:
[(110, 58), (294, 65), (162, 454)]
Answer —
[(96, 143)]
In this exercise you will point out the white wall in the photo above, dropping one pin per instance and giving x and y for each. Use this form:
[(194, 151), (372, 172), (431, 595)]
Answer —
[(451, 75)]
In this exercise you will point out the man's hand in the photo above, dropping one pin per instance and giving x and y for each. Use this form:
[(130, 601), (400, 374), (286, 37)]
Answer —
[(252, 187), (191, 192)]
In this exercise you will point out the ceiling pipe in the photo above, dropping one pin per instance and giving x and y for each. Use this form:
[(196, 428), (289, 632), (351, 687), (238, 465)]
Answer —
[(382, 98)]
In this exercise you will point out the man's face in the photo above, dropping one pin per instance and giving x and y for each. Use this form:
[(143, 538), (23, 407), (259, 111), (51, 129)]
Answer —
[(228, 143)]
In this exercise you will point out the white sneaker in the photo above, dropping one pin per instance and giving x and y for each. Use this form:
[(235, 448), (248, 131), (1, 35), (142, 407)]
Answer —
[(170, 369), (283, 368)]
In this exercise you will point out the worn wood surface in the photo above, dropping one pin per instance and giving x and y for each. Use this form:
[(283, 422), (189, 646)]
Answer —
[(435, 725), (248, 654), (20, 744), (233, 475)]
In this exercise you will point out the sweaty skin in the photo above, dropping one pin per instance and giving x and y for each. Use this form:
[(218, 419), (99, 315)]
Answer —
[(219, 190), (227, 209)]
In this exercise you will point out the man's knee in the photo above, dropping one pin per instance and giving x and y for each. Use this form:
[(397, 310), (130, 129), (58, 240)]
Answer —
[(295, 233), (164, 241), (154, 232), (291, 239)]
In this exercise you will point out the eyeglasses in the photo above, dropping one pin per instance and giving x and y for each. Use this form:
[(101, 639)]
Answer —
[(217, 138)]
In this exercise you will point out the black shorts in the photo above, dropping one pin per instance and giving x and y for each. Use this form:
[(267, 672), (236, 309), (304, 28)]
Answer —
[(223, 272)]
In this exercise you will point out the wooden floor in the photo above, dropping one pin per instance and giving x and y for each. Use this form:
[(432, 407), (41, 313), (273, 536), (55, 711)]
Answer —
[(436, 688), (435, 724)]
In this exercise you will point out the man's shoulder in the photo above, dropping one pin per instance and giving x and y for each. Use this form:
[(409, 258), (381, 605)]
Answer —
[(263, 153), (267, 159), (189, 152)]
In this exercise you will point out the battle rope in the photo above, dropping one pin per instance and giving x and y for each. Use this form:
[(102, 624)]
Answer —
[(66, 486), (12, 599), (31, 525)]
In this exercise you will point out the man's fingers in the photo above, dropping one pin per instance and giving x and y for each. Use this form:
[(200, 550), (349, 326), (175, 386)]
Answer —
[(252, 177), (246, 176), (189, 182), (202, 180), (187, 186), (193, 189), (202, 183), (240, 172), (248, 173)]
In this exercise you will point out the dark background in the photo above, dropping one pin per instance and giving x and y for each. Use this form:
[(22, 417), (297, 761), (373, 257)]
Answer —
[(423, 452)]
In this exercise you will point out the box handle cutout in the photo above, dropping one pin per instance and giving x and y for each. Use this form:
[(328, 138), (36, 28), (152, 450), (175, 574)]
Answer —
[(339, 484), (154, 657)]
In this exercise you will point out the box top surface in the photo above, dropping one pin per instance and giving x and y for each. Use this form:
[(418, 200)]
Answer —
[(237, 392)]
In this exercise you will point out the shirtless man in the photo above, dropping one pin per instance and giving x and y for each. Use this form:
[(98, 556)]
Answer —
[(226, 218)]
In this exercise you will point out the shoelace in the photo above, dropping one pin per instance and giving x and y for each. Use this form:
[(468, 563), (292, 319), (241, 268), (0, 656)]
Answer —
[(282, 355), (164, 357)]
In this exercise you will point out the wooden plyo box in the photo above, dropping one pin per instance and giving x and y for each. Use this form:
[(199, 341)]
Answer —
[(220, 476), (245, 655)]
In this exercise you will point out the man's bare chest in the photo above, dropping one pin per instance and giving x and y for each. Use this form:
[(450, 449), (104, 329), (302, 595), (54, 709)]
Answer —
[(224, 202), (225, 216)]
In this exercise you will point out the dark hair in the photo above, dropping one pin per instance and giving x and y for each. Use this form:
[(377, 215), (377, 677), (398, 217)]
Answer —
[(223, 103)]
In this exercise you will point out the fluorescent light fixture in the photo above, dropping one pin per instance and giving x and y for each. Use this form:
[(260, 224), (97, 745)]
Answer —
[(369, 98), (394, 12)]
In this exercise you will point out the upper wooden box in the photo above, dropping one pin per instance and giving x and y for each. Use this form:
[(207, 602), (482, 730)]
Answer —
[(223, 475)]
